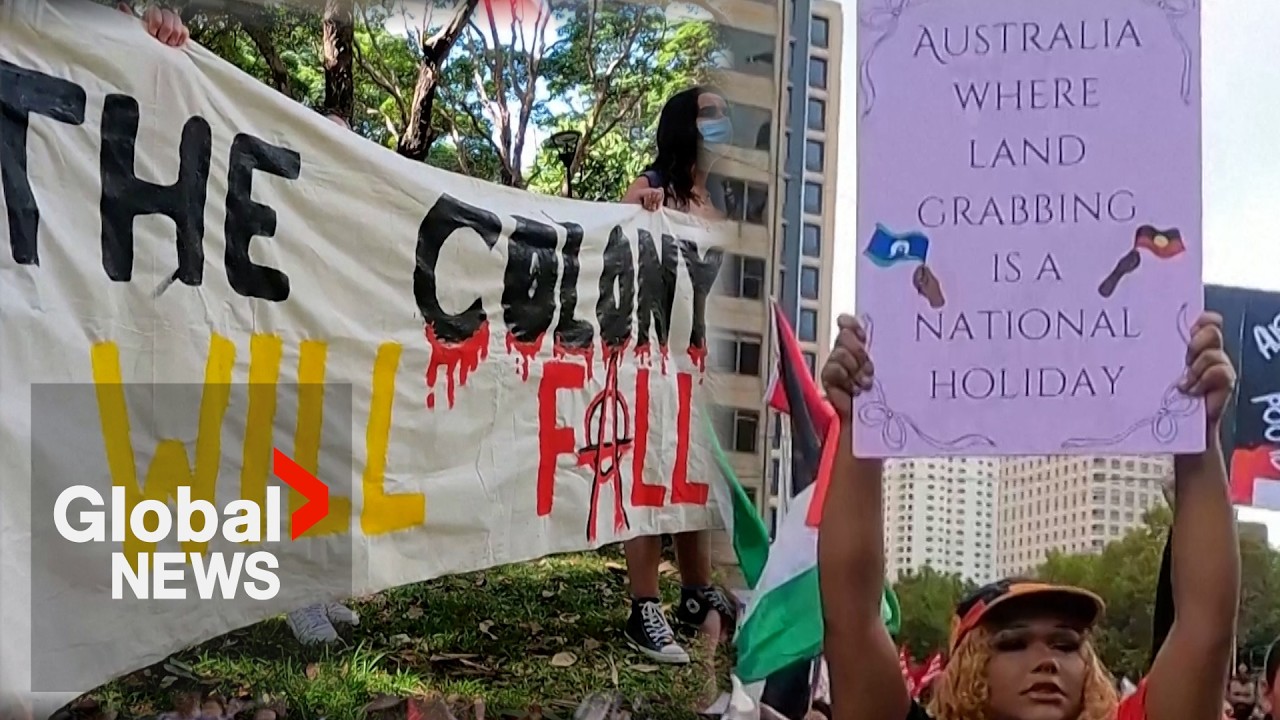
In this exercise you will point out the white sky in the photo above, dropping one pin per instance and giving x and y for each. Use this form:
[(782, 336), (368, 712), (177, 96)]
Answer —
[(1241, 157)]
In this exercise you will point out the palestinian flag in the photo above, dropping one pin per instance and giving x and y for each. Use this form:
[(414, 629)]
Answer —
[(783, 621)]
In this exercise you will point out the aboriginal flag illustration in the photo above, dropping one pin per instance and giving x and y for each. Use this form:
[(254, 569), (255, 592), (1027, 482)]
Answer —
[(1161, 244)]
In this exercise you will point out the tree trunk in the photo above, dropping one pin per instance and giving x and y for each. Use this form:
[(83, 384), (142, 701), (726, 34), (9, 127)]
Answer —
[(258, 24), (339, 36), (418, 135)]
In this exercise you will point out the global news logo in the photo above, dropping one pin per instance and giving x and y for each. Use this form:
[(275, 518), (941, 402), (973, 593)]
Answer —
[(81, 515)]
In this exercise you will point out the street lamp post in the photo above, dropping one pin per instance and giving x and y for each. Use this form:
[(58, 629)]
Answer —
[(565, 143)]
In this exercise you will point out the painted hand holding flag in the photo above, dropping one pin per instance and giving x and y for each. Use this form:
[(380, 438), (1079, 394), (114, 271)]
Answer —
[(1163, 244), (783, 621), (887, 249)]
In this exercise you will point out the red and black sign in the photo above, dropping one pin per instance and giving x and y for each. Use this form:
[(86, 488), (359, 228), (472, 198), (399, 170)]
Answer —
[(1251, 434)]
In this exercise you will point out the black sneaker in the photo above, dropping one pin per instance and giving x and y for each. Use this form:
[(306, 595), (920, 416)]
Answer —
[(648, 632), (695, 603)]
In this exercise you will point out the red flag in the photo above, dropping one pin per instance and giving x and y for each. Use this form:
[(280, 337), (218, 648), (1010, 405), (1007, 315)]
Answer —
[(793, 392), (1249, 465), (908, 672), (791, 378), (929, 672), (507, 13)]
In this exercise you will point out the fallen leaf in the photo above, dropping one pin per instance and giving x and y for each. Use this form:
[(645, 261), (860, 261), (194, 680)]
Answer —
[(613, 671), (484, 628), (666, 568), (548, 593), (481, 580), (440, 657), (563, 659), (645, 668), (312, 671), (569, 618), (399, 639), (590, 644), (167, 681), (414, 613), (533, 628)]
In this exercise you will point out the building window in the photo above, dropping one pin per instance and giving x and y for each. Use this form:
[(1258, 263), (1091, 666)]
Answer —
[(744, 201), (752, 126), (808, 331), (816, 115), (738, 355), (748, 52), (818, 73), (811, 241), (820, 32), (811, 361), (746, 426), (742, 277), (809, 283), (737, 429), (813, 198), (813, 156)]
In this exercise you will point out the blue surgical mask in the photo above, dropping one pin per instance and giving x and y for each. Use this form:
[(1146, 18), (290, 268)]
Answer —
[(716, 131)]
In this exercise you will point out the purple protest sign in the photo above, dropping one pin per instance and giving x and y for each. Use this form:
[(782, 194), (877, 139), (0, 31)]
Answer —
[(1029, 225)]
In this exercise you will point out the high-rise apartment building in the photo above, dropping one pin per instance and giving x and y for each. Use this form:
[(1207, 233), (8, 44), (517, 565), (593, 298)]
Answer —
[(754, 83), (1072, 504), (941, 513)]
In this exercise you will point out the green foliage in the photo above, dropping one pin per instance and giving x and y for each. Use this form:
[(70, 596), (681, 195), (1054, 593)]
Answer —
[(1124, 575), (644, 59), (928, 599), (604, 70)]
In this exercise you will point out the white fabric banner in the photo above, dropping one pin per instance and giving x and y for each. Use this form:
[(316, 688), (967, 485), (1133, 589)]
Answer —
[(188, 254)]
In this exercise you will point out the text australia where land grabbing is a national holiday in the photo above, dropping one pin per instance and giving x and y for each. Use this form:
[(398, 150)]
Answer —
[(1037, 250)]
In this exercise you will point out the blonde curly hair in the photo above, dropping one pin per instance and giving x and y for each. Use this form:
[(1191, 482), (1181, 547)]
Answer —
[(961, 693)]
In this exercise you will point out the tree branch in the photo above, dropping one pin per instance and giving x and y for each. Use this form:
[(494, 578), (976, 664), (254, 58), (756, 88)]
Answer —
[(390, 86), (418, 135), (257, 24), (338, 28)]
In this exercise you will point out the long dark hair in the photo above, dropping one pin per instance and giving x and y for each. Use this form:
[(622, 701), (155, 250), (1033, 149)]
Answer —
[(679, 143)]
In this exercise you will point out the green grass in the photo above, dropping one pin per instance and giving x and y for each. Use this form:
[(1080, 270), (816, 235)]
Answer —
[(489, 635)]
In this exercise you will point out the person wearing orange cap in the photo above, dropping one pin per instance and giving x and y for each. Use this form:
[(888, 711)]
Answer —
[(1021, 649)]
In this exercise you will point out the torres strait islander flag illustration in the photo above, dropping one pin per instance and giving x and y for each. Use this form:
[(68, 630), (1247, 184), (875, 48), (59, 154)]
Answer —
[(783, 621)]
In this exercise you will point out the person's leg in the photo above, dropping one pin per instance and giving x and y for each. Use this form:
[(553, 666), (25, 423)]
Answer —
[(647, 628), (697, 595)]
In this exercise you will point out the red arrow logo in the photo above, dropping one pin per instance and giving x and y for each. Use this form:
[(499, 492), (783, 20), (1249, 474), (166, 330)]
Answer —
[(315, 492)]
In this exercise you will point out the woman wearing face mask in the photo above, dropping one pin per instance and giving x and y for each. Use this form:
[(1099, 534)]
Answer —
[(1023, 650), (691, 121), (692, 124)]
